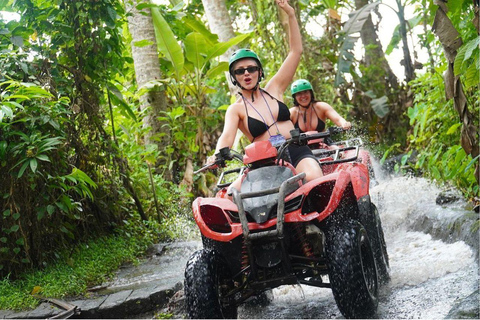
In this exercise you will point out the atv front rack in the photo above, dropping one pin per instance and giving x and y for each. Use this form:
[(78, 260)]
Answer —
[(336, 155), (282, 193), (349, 143)]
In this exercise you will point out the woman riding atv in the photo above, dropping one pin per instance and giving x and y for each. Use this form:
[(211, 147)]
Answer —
[(309, 114), (260, 113)]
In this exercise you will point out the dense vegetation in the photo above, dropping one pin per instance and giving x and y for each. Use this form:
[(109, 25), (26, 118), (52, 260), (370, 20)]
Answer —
[(84, 149)]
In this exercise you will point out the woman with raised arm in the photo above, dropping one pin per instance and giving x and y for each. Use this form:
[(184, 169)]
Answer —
[(260, 113)]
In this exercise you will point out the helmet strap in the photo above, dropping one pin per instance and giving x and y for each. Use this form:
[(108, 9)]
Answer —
[(235, 82)]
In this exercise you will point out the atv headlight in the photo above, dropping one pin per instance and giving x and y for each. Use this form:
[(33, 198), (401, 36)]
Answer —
[(215, 219)]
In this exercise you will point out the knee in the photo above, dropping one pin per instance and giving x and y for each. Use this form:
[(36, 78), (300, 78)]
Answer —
[(314, 173)]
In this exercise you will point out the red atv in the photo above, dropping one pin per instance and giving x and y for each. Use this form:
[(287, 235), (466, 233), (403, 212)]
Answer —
[(278, 231)]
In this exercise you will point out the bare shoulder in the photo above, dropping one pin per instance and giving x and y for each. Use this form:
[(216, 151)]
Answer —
[(236, 108), (293, 111)]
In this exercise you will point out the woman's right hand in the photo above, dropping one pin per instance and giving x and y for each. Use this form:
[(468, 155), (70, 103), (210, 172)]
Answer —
[(285, 6)]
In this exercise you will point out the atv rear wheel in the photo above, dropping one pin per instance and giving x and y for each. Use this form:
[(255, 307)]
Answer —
[(352, 270), (207, 280)]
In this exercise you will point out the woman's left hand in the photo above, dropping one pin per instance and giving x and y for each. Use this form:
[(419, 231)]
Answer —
[(346, 125)]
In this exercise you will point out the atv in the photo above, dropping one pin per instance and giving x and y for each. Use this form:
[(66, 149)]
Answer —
[(278, 230)]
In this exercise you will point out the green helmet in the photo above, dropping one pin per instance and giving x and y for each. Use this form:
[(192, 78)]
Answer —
[(243, 54), (300, 85)]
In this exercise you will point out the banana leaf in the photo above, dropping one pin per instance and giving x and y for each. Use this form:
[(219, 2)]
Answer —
[(351, 33), (167, 42)]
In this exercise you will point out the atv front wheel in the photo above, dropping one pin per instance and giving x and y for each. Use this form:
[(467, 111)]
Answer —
[(375, 232), (207, 281), (352, 270)]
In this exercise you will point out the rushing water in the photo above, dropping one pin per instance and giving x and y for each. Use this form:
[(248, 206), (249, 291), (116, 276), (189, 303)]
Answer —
[(428, 276)]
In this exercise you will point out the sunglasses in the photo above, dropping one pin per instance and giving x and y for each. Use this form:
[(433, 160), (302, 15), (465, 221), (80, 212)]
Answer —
[(241, 71)]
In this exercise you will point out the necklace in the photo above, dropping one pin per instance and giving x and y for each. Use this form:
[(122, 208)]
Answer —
[(305, 116)]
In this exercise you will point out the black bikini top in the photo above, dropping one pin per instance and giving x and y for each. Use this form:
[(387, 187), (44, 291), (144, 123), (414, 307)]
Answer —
[(258, 127), (320, 123)]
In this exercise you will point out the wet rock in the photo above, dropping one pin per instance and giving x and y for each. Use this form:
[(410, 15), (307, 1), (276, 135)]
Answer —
[(113, 306), (5, 314), (447, 196), (176, 305), (156, 249), (89, 308), (138, 301), (467, 308), (43, 311)]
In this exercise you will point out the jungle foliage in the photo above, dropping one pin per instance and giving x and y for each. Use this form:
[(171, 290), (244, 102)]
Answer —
[(73, 164)]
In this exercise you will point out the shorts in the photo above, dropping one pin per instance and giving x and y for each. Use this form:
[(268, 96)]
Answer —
[(298, 153)]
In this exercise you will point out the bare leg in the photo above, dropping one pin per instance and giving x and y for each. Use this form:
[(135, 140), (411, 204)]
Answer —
[(235, 184), (311, 167)]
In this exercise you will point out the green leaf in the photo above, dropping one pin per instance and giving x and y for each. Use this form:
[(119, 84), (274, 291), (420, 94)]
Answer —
[(166, 42), (453, 128), (17, 40), (16, 216), (353, 26), (471, 163), (33, 164), (458, 63), (43, 157), (196, 49), (15, 228), (117, 99), (82, 176), (20, 241), (22, 169), (219, 69), (222, 47), (197, 26), (6, 213), (5, 111), (143, 43), (471, 46), (50, 209), (380, 106), (3, 239), (472, 76)]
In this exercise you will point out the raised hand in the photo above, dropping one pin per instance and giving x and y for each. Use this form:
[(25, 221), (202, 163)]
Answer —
[(285, 6)]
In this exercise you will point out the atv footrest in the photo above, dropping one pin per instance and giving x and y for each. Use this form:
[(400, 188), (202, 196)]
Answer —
[(273, 283)]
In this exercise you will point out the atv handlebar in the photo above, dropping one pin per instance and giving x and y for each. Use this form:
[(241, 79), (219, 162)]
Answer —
[(220, 158), (303, 138), (296, 137)]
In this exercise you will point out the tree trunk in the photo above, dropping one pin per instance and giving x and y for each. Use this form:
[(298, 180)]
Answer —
[(375, 53), (221, 25), (451, 41), (407, 59), (147, 68)]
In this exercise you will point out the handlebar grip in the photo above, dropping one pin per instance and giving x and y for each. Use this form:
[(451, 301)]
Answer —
[(224, 153)]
